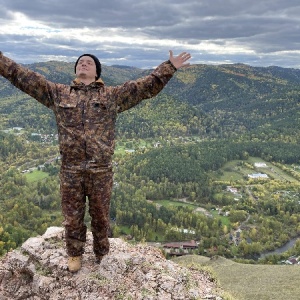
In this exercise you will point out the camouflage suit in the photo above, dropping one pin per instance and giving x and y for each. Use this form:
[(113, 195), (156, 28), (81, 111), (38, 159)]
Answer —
[(86, 116)]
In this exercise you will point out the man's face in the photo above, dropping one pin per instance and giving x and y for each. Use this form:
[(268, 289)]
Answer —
[(86, 68)]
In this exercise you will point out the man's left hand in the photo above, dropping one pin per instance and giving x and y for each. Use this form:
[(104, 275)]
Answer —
[(180, 60)]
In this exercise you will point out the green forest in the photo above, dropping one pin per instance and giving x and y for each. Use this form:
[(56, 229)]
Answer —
[(178, 158)]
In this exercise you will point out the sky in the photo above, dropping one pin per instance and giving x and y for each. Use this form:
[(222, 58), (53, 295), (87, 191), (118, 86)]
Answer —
[(140, 33)]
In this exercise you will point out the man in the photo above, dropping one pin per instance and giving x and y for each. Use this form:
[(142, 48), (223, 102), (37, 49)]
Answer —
[(86, 113)]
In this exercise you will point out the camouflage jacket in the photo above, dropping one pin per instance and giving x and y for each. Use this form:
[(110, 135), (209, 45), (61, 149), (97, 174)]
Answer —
[(86, 114)]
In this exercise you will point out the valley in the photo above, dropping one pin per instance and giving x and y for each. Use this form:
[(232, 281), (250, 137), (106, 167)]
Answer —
[(223, 138)]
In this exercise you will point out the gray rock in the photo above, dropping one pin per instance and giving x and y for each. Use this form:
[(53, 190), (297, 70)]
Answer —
[(38, 271)]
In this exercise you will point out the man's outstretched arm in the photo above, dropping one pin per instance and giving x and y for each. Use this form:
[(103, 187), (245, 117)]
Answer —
[(28, 81), (133, 92)]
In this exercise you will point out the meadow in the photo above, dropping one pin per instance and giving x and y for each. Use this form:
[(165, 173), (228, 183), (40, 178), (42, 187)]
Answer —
[(248, 282)]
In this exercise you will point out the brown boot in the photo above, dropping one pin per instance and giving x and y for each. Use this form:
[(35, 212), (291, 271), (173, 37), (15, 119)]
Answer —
[(74, 263)]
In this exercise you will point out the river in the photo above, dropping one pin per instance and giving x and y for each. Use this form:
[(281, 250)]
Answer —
[(281, 249)]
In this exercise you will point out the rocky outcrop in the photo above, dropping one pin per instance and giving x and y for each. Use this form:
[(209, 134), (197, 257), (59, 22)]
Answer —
[(38, 271)]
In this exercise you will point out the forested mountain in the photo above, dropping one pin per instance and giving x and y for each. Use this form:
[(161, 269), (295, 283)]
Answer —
[(202, 133), (202, 99)]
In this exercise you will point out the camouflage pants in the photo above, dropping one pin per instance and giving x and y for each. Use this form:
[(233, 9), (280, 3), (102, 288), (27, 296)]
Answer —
[(75, 187)]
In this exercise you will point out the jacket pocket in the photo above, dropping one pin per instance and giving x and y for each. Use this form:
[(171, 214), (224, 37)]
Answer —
[(99, 111), (69, 114)]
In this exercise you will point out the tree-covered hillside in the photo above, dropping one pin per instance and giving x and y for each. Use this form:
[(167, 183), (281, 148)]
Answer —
[(176, 156), (205, 100)]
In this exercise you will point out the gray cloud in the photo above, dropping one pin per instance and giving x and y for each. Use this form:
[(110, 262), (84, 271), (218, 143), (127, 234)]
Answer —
[(140, 33)]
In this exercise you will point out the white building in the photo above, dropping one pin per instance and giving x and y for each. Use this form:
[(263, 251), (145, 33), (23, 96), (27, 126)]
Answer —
[(260, 165), (258, 176)]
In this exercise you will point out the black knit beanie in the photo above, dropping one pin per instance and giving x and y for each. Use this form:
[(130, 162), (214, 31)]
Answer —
[(97, 62)]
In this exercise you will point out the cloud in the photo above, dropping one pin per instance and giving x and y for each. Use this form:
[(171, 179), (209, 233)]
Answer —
[(140, 33)]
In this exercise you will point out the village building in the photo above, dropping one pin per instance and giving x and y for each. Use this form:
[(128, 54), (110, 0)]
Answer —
[(180, 248), (130, 151), (260, 165), (232, 189), (258, 176)]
